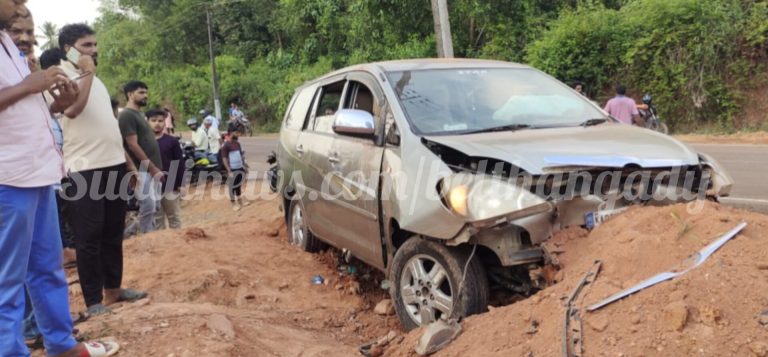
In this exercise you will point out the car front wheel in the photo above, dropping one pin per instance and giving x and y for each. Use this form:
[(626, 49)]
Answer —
[(425, 280)]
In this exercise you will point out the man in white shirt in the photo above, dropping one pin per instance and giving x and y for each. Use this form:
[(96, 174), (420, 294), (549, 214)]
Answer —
[(96, 162), (208, 115), (208, 137)]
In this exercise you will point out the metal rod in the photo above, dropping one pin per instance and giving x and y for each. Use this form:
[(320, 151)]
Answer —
[(700, 256)]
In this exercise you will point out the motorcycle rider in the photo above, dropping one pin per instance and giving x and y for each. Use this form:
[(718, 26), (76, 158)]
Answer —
[(206, 114), (208, 139)]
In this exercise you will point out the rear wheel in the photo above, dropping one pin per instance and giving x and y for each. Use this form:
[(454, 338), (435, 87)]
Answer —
[(663, 128), (298, 231), (425, 283)]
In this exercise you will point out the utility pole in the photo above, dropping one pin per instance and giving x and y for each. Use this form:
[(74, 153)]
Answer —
[(442, 29), (215, 78)]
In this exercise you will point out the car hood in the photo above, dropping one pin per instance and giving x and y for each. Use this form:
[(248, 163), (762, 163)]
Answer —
[(541, 150)]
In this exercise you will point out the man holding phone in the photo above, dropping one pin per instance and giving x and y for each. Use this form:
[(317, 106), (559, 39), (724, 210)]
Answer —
[(96, 162), (29, 234)]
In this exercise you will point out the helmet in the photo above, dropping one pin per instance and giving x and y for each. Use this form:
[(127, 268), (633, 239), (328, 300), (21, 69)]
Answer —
[(647, 99), (203, 112), (192, 123)]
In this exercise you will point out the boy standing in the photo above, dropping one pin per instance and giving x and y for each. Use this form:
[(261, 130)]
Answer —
[(173, 164), (234, 162)]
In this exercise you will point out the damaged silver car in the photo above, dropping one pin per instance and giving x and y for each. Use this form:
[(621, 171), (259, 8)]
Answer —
[(449, 174)]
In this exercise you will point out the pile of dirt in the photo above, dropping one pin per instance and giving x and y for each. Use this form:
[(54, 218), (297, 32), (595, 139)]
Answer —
[(710, 311), (229, 284)]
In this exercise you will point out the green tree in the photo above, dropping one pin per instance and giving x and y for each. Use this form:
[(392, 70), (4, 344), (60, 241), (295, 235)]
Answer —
[(50, 34)]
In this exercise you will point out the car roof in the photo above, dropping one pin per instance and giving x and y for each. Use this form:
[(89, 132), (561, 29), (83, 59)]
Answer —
[(421, 64)]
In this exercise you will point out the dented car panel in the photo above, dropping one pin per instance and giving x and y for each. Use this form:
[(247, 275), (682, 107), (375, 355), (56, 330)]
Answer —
[(608, 145)]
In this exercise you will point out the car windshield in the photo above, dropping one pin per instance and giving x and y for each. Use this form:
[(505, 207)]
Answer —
[(457, 101)]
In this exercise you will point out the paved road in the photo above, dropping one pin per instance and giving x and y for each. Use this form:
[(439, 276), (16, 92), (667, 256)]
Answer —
[(748, 164)]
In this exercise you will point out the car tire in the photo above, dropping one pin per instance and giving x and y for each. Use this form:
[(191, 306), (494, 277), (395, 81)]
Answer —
[(416, 299), (298, 232)]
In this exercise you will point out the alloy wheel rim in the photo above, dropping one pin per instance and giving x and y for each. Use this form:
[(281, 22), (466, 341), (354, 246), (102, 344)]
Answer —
[(297, 226), (425, 290)]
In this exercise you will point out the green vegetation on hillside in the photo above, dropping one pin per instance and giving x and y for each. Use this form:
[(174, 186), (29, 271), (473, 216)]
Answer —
[(697, 57)]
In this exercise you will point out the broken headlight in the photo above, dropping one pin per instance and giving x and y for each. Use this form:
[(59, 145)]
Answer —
[(488, 201)]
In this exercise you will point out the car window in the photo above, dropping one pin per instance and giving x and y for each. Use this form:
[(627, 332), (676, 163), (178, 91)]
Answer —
[(456, 101), (360, 97), (330, 99), (297, 115), (327, 105)]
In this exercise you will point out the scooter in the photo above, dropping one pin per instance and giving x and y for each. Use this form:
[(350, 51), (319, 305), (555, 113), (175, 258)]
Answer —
[(652, 120)]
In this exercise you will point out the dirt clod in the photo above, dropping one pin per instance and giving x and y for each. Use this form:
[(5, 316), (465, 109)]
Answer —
[(675, 316), (598, 323), (759, 349), (384, 307), (221, 324), (195, 233)]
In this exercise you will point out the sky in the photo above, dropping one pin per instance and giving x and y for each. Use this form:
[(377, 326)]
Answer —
[(62, 12)]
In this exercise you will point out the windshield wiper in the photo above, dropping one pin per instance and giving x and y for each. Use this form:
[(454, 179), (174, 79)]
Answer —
[(510, 127), (591, 122)]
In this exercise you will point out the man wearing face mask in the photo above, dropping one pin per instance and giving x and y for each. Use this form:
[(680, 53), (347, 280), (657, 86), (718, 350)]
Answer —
[(98, 172)]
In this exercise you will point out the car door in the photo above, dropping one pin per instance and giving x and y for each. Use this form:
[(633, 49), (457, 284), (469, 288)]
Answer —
[(356, 164), (313, 145)]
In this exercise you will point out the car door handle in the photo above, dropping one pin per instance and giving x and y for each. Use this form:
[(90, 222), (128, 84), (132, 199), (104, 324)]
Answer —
[(300, 149), (334, 159)]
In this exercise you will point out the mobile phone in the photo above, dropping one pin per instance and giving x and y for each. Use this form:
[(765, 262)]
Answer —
[(73, 55)]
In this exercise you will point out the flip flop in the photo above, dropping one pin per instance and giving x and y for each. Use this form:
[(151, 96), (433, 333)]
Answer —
[(34, 343), (131, 295), (95, 310), (100, 348)]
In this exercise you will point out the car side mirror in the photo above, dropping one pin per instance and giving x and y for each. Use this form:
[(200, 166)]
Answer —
[(354, 122)]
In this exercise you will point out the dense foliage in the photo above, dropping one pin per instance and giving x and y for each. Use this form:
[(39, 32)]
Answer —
[(695, 56)]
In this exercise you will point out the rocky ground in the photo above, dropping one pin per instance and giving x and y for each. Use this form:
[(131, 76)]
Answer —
[(228, 284)]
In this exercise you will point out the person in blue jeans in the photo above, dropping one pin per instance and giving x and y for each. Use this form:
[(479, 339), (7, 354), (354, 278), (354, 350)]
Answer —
[(30, 243), (22, 32)]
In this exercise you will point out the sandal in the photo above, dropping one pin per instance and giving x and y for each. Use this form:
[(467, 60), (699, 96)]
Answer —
[(95, 310), (131, 295), (100, 348), (34, 343)]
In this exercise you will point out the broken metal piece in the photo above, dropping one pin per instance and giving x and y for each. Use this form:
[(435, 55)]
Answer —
[(437, 335), (698, 259), (572, 326)]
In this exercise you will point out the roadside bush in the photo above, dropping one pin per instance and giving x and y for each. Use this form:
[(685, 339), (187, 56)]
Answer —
[(677, 50)]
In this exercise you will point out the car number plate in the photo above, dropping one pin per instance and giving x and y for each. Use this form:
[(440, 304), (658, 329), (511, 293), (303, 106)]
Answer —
[(595, 218)]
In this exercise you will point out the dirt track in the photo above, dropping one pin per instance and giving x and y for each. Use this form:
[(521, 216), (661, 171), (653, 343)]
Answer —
[(244, 271), (241, 290)]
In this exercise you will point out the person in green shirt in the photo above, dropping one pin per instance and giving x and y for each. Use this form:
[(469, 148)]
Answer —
[(140, 143)]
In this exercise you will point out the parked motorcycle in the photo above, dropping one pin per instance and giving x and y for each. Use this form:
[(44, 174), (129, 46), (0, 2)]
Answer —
[(241, 125), (199, 163), (272, 173), (652, 120)]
